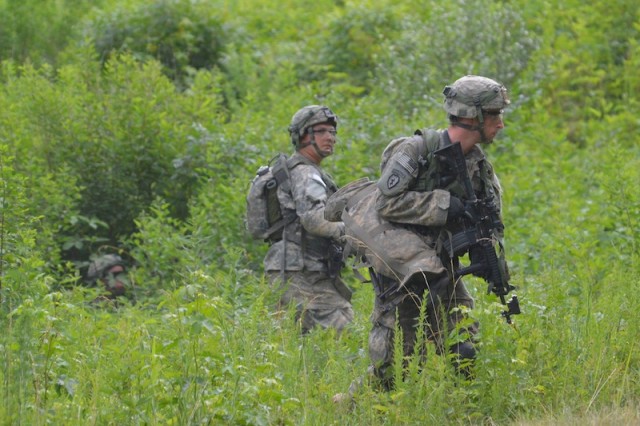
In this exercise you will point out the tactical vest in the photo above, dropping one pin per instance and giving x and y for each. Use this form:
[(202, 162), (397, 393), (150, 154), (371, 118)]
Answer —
[(293, 229), (428, 177)]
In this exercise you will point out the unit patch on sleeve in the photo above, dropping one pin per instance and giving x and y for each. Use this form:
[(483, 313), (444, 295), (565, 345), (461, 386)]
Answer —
[(393, 180)]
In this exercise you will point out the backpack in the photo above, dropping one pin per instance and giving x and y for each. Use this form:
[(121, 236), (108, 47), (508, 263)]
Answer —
[(351, 193), (264, 217), (429, 142), (390, 249)]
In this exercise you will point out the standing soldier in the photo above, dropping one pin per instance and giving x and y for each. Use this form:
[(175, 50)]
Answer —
[(407, 225), (300, 263)]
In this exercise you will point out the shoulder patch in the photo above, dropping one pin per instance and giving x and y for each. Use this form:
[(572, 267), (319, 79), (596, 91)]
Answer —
[(393, 180), (318, 179)]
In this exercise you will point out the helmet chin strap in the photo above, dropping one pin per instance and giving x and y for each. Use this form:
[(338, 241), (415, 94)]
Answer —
[(321, 153), (477, 128)]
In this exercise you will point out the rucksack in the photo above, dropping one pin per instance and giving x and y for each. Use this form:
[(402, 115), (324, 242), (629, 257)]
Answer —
[(264, 217), (352, 192), (429, 141), (390, 249)]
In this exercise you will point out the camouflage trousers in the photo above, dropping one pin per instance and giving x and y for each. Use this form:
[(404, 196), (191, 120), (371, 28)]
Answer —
[(319, 300), (441, 297)]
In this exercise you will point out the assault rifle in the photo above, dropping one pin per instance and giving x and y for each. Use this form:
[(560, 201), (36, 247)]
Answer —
[(481, 228)]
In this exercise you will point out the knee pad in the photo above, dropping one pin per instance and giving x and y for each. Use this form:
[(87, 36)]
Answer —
[(464, 350), (464, 355), (381, 346)]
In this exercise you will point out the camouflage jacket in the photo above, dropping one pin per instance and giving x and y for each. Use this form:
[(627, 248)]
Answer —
[(306, 240), (400, 200)]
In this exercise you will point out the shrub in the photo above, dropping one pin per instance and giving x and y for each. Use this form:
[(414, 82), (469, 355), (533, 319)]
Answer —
[(182, 35), (36, 31), (355, 39), (450, 40)]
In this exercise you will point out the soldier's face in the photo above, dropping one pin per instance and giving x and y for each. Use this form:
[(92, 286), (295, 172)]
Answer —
[(325, 137), (115, 280), (493, 123)]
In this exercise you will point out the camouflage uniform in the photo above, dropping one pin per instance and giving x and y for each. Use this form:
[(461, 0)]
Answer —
[(426, 214), (407, 197), (301, 258), (110, 271)]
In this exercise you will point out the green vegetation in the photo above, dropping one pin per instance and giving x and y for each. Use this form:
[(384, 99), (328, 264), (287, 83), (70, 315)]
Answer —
[(136, 125)]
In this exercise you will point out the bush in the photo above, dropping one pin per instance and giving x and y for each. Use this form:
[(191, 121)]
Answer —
[(115, 133), (183, 35), (448, 41), (355, 39), (36, 31)]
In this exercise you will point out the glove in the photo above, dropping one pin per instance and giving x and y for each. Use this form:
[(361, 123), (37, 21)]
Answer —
[(456, 209), (335, 262), (476, 256)]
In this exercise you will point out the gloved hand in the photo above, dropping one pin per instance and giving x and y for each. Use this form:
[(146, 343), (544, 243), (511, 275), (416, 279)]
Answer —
[(476, 256), (456, 209), (335, 260)]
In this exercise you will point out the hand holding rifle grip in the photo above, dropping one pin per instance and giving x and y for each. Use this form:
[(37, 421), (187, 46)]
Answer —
[(484, 219)]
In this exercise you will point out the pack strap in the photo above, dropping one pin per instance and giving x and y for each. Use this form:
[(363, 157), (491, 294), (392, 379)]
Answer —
[(280, 171), (430, 140), (282, 223)]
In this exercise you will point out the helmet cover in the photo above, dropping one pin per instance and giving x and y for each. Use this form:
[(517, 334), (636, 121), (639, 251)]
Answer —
[(310, 116), (471, 94), (102, 264)]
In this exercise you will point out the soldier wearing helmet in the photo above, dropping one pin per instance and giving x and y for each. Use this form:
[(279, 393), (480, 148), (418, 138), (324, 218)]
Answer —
[(304, 134), (479, 100), (109, 270), (301, 263), (419, 212)]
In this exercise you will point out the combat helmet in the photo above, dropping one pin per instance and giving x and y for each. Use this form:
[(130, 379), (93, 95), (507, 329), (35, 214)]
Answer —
[(101, 265), (309, 116), (470, 95)]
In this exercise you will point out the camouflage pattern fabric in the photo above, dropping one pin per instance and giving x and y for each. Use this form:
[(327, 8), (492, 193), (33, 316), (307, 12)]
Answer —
[(406, 225), (462, 95), (392, 250), (110, 271), (301, 257), (316, 297), (441, 296), (310, 188), (101, 264)]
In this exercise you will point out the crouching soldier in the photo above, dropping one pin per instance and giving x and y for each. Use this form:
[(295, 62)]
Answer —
[(109, 271)]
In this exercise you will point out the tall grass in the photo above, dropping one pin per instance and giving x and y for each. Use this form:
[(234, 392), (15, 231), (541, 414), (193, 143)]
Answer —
[(93, 151)]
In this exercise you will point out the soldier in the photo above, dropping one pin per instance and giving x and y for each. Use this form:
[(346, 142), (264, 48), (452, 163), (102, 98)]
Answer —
[(109, 270), (300, 263), (414, 215)]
